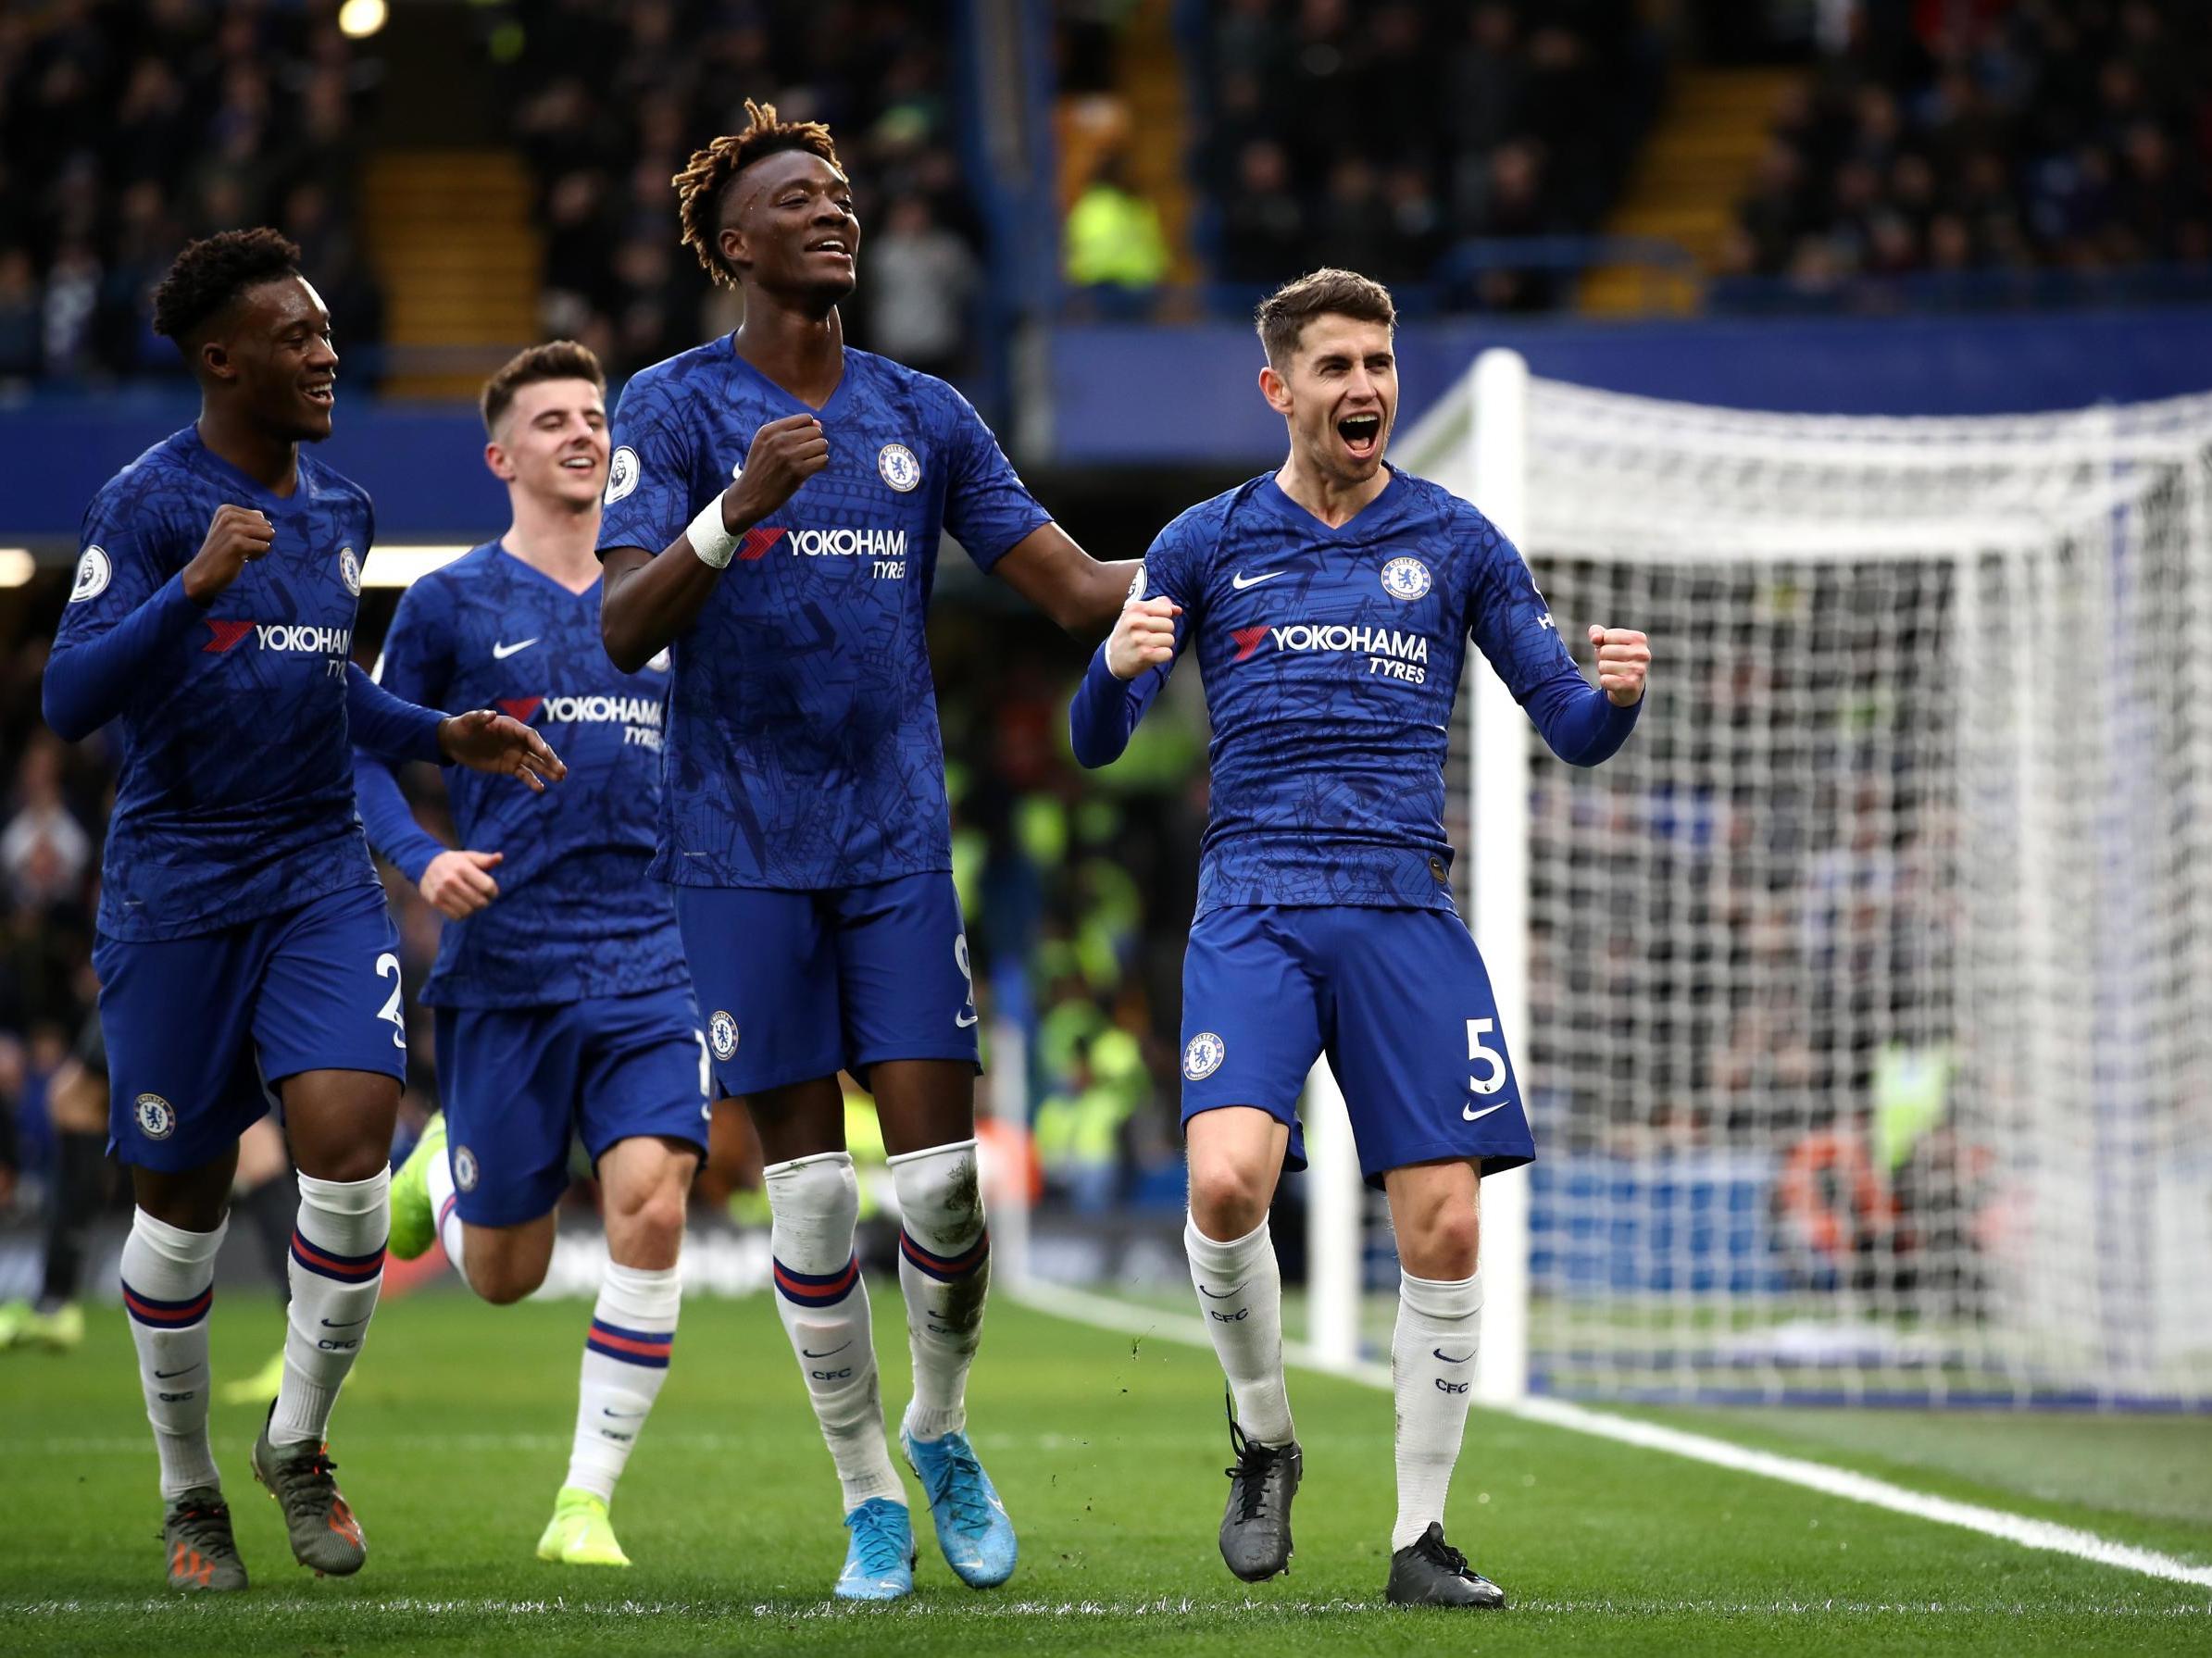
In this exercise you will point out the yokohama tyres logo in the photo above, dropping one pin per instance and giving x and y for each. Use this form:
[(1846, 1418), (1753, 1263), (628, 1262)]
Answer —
[(843, 542), (1332, 638), (296, 639)]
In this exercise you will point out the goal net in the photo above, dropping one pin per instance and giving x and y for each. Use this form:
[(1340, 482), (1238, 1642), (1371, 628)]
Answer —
[(1868, 1029)]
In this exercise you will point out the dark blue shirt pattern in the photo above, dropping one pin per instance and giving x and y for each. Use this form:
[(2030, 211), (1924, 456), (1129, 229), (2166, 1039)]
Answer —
[(575, 915), (234, 798), (1332, 660), (803, 745)]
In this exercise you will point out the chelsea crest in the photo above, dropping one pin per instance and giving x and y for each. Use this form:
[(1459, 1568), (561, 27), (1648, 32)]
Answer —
[(899, 468), (1405, 579)]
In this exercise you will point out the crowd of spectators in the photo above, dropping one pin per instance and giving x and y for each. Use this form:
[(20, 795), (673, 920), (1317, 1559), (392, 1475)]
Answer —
[(609, 98), (127, 126), (1968, 148), (1379, 137)]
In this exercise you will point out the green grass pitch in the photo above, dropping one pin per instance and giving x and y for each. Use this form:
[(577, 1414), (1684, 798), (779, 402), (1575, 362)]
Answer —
[(454, 1432)]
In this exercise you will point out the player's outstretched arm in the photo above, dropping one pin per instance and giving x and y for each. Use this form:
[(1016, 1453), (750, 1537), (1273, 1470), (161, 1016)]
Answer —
[(1126, 673), (1052, 572), (92, 676), (646, 599), (387, 726)]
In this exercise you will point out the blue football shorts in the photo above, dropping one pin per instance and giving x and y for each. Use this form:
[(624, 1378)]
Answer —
[(1399, 1002), (799, 985), (518, 1083), (201, 1029)]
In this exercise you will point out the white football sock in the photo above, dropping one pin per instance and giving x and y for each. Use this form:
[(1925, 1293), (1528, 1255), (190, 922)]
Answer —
[(337, 1271), (169, 1285), (625, 1360), (945, 1269), (444, 1210), (1432, 1373), (815, 1205), (1239, 1289)]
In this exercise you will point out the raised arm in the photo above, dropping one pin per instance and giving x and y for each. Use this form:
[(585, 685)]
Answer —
[(1126, 673), (121, 614), (1052, 572), (1583, 723), (990, 512), (647, 599)]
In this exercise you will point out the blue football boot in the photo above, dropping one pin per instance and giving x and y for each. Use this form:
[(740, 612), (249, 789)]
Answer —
[(972, 1526), (879, 1561)]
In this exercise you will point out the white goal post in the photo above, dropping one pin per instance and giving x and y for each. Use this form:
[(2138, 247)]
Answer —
[(1863, 1003)]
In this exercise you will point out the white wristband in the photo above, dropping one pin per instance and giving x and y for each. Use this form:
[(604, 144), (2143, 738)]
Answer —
[(713, 543)]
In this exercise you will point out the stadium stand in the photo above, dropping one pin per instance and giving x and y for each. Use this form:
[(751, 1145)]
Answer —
[(1986, 154), (125, 129), (1387, 138), (610, 99)]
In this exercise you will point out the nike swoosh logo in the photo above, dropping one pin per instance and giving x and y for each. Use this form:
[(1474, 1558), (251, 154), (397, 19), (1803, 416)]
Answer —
[(826, 1352), (1448, 1359), (1225, 1294), (965, 1019), (621, 1415), (165, 1375), (347, 1325), (1240, 582), (500, 652), (1473, 1115)]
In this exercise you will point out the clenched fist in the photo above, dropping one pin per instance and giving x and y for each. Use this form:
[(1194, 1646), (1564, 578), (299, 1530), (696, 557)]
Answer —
[(1143, 638), (1623, 659), (236, 536), (785, 454), (457, 884)]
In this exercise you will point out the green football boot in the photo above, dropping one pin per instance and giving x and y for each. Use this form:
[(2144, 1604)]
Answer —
[(580, 1532), (413, 1228), (22, 1325)]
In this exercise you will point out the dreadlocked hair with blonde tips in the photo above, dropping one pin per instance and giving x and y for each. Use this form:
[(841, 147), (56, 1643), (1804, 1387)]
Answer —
[(700, 185)]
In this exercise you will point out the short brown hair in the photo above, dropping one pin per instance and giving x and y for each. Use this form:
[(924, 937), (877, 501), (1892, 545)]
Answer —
[(556, 359), (700, 185), (1282, 315)]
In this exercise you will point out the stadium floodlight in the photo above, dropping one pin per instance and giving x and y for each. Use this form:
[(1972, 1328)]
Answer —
[(1863, 996), (358, 19), (17, 565)]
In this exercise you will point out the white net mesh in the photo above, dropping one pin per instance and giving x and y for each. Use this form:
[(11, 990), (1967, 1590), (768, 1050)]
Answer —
[(1870, 1047)]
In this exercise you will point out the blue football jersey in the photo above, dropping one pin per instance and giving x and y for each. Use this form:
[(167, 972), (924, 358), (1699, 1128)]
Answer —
[(1332, 660), (575, 917), (235, 793), (802, 743)]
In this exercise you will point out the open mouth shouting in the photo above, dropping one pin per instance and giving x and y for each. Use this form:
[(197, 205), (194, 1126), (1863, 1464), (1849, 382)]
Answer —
[(1362, 435), (836, 246)]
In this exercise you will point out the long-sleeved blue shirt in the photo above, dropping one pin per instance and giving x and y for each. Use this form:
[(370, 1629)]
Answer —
[(576, 915), (1332, 660), (237, 720)]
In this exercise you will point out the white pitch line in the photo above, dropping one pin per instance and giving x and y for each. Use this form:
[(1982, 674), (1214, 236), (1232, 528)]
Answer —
[(2045, 1535), (1175, 1607)]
